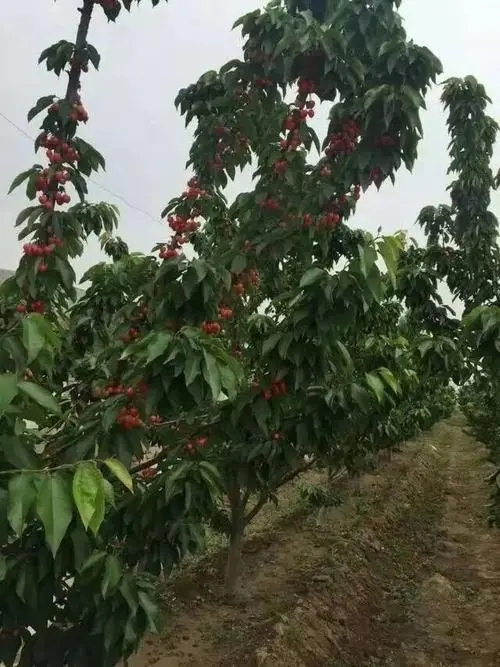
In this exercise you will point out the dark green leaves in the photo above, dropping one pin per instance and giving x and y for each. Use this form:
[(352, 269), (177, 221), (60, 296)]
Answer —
[(9, 386), (312, 276), (33, 338), (57, 56), (93, 55), (54, 506), (20, 179), (112, 575), (212, 375), (112, 11), (90, 158), (42, 103), (120, 472), (89, 494), (22, 494), (41, 396)]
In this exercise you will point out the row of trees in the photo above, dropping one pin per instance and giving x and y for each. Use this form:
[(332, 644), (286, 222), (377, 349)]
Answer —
[(178, 393)]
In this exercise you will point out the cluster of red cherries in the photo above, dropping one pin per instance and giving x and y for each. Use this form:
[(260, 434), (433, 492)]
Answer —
[(264, 82), (141, 313), (243, 280), (299, 112), (212, 328), (183, 226), (33, 307), (344, 142), (132, 334), (41, 250), (302, 109), (276, 389), (192, 445), (227, 144), (128, 418), (78, 113), (115, 389)]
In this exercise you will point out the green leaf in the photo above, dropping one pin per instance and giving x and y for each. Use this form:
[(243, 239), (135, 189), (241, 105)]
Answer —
[(128, 590), (345, 354), (425, 347), (35, 211), (13, 346), (92, 560), (109, 493), (120, 472), (112, 575), (40, 396), (376, 385), (390, 248), (100, 510), (20, 178), (228, 382), (360, 396), (271, 343), (41, 104), (55, 508), (158, 345), (94, 56), (9, 384), (413, 96), (312, 276), (150, 610), (212, 375), (112, 11), (21, 494), (192, 369), (239, 264), (389, 379), (18, 452), (262, 413), (33, 338), (88, 491)]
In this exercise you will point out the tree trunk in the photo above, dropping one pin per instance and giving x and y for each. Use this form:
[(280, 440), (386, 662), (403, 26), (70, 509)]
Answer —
[(238, 523), (233, 567)]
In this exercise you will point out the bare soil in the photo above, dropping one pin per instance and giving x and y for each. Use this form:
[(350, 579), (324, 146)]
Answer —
[(405, 573)]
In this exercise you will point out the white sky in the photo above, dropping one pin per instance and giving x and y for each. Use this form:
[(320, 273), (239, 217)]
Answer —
[(151, 53)]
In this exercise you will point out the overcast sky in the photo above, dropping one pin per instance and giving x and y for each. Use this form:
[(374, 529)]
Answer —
[(151, 53)]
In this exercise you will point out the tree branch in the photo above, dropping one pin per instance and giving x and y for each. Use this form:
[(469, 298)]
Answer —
[(284, 480), (80, 42)]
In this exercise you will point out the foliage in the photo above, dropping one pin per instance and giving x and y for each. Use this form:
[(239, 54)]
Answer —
[(463, 250), (177, 393)]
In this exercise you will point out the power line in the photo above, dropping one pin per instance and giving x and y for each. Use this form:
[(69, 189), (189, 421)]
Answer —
[(111, 192)]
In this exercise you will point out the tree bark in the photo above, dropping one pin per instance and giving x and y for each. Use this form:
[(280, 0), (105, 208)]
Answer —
[(233, 568), (81, 39), (238, 524)]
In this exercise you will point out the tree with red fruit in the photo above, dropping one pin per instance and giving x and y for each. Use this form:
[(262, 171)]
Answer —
[(176, 385)]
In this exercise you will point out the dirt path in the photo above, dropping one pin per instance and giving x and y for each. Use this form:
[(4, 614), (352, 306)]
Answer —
[(457, 613), (405, 573)]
